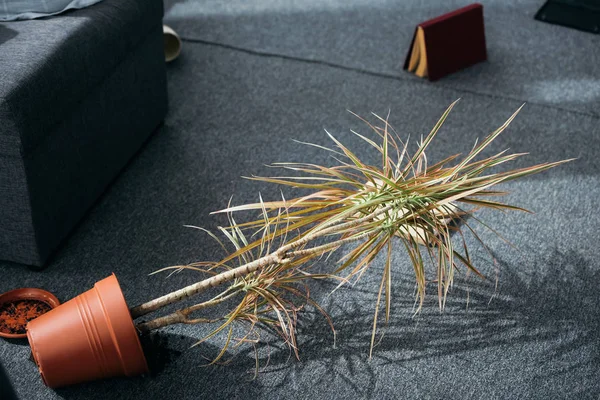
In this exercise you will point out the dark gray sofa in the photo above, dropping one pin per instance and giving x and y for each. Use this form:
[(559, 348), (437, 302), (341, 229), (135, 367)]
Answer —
[(79, 95)]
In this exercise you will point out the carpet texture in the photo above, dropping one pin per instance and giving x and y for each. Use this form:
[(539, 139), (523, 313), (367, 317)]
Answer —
[(234, 108)]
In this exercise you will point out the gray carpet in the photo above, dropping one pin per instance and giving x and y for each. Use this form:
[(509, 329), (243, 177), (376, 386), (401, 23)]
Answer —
[(258, 76)]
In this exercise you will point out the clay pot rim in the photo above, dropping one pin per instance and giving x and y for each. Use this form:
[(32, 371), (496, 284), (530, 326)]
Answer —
[(27, 294)]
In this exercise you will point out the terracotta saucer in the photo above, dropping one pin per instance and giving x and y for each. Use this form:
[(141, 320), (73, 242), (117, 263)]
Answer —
[(26, 294)]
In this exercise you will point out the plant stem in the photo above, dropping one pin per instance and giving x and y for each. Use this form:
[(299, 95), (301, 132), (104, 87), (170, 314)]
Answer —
[(181, 316), (174, 318), (201, 286), (279, 256)]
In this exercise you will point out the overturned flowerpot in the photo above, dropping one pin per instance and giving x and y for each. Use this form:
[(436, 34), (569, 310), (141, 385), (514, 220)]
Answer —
[(89, 337)]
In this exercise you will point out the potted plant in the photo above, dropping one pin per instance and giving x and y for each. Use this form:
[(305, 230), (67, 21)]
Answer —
[(363, 209)]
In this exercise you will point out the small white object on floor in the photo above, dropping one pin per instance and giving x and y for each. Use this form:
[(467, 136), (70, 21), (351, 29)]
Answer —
[(172, 43)]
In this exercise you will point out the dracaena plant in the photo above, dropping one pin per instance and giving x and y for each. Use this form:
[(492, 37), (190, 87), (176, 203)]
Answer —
[(360, 210)]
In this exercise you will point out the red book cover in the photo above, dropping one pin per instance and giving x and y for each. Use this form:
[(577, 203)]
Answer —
[(453, 41)]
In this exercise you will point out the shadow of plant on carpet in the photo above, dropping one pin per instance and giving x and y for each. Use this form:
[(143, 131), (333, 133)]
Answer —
[(556, 310)]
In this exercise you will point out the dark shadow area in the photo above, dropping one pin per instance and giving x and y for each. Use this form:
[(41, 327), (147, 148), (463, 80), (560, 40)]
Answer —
[(579, 14), (177, 371), (6, 390), (6, 34), (18, 342), (556, 310), (55, 254)]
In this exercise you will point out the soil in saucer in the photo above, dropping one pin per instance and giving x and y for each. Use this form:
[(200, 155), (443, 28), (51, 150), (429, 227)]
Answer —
[(15, 315)]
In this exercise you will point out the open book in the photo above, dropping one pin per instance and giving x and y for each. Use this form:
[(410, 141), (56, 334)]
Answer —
[(448, 43), (418, 55)]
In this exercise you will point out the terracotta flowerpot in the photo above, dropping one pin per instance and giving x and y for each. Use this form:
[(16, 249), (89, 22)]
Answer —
[(89, 337)]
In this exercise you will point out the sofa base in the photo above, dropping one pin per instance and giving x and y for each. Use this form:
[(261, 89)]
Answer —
[(50, 189)]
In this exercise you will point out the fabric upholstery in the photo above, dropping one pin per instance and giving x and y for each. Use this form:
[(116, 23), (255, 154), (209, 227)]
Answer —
[(48, 66), (12, 10), (17, 236), (69, 172), (77, 100)]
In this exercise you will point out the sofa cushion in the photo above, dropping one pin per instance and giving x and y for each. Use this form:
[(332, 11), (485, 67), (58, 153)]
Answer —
[(47, 66), (28, 9)]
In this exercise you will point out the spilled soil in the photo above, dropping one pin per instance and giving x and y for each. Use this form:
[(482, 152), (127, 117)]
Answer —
[(15, 315)]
